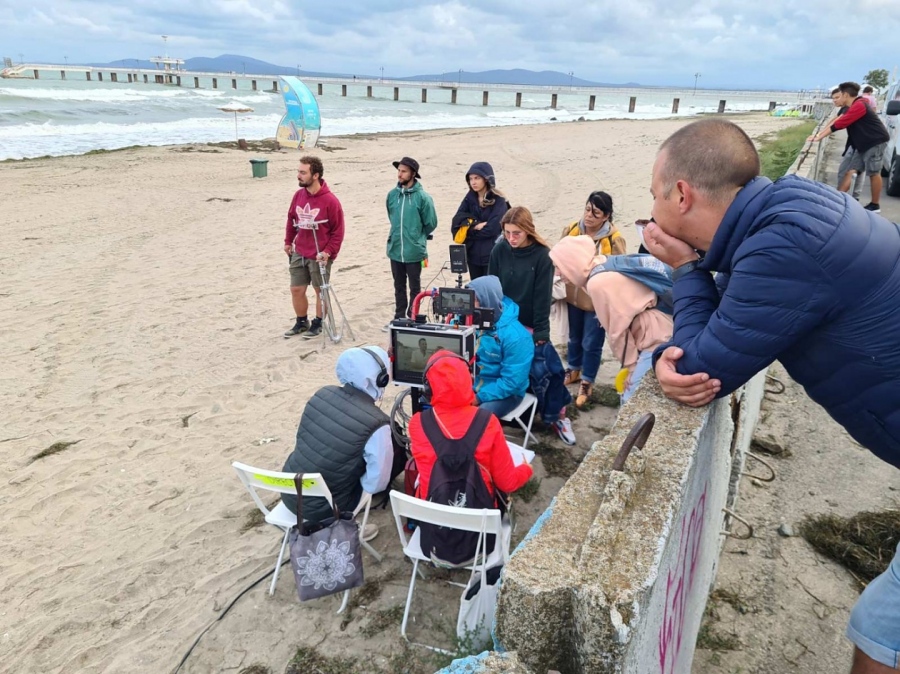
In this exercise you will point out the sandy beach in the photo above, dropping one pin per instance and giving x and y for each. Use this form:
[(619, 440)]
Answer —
[(143, 297)]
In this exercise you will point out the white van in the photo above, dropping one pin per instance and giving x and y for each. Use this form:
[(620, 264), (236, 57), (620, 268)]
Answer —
[(891, 163)]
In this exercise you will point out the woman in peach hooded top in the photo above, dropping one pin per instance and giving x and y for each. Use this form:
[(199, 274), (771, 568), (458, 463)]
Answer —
[(626, 308)]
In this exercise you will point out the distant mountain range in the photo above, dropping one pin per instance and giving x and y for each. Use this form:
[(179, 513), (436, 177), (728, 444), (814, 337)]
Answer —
[(228, 63)]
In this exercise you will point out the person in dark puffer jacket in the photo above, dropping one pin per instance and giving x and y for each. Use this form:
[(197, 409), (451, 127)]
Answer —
[(477, 221), (813, 281), (345, 436)]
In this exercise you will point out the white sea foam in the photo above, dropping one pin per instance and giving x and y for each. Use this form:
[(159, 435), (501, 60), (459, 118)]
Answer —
[(83, 116)]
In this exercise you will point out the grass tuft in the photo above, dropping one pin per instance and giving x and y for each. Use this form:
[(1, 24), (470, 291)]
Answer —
[(528, 490), (55, 448), (778, 151), (864, 543)]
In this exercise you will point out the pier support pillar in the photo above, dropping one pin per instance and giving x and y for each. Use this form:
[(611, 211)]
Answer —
[(721, 107), (129, 78), (196, 82), (771, 105), (88, 76), (36, 74), (518, 99), (591, 102), (453, 96), (343, 90), (233, 83), (274, 85), (62, 75), (320, 88), (553, 101), (484, 97), (253, 85), (369, 91), (424, 95), (99, 76), (675, 102), (631, 103), (396, 93), (113, 77), (215, 83), (145, 79), (178, 80)]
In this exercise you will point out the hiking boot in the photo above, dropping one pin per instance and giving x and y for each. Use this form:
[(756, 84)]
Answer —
[(572, 377), (301, 325), (875, 208), (314, 330), (369, 532), (563, 428), (584, 393)]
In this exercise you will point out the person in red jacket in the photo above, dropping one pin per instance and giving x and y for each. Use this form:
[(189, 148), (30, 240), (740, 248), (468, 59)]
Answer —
[(866, 134), (452, 400), (313, 234)]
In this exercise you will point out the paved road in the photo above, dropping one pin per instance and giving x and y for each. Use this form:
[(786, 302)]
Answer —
[(890, 206)]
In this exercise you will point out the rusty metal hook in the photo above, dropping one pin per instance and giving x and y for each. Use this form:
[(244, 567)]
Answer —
[(637, 437), (779, 385), (733, 515), (763, 462)]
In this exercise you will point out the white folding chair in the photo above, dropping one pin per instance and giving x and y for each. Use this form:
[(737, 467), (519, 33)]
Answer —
[(467, 519), (526, 408), (313, 485)]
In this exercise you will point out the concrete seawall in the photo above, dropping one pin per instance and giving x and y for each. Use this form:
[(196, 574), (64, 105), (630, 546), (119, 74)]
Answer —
[(615, 576)]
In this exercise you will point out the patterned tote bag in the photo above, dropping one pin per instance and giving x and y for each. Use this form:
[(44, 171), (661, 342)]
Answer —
[(325, 556)]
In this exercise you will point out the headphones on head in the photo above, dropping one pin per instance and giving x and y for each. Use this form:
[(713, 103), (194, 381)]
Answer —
[(444, 353), (383, 378)]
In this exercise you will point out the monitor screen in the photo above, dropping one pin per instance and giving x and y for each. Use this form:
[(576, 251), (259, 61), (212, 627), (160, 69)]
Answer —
[(412, 347), (459, 301)]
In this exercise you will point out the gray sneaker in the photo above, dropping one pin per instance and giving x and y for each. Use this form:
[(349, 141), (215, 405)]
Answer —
[(301, 325), (314, 330)]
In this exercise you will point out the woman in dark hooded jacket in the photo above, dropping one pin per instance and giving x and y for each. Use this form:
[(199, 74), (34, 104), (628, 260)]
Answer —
[(477, 221)]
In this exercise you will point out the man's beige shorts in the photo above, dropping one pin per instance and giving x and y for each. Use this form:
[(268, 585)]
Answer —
[(305, 271)]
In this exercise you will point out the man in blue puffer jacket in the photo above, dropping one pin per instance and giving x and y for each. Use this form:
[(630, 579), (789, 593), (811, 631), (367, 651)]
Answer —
[(504, 353), (813, 281)]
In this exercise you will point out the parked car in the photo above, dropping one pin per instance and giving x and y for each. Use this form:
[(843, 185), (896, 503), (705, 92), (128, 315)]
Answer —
[(890, 167)]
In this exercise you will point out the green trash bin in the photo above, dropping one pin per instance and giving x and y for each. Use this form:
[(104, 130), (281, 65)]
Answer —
[(260, 167)]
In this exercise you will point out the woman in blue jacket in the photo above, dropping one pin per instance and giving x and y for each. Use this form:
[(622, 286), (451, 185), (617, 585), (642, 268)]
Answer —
[(479, 213), (504, 353)]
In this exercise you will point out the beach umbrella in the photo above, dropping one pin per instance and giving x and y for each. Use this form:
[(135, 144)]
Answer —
[(235, 108)]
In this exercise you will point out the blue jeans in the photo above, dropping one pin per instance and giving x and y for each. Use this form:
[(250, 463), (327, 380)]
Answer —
[(500, 408), (875, 621), (586, 337)]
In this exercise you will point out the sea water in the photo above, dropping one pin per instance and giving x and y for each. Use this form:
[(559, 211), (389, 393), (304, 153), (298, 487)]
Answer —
[(61, 117)]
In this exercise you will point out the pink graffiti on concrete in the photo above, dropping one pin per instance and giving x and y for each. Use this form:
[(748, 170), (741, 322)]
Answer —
[(679, 583)]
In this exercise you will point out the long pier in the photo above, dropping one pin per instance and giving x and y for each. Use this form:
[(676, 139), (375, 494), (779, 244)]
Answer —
[(229, 80)]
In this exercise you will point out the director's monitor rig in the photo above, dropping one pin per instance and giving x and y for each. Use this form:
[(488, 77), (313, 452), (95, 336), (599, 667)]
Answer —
[(455, 319)]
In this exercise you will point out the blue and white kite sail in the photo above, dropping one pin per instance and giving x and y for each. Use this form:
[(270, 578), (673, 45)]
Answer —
[(299, 128)]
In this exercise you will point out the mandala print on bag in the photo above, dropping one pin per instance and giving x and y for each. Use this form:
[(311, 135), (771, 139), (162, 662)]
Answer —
[(328, 566)]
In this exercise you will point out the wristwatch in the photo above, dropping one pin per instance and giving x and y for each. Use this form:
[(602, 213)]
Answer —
[(686, 268)]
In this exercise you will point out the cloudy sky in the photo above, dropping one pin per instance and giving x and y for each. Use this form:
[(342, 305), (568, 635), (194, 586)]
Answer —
[(732, 43)]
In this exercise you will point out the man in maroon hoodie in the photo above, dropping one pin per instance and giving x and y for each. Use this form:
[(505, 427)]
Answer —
[(313, 234)]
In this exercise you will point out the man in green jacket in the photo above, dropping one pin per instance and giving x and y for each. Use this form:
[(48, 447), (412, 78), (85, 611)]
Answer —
[(413, 219)]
